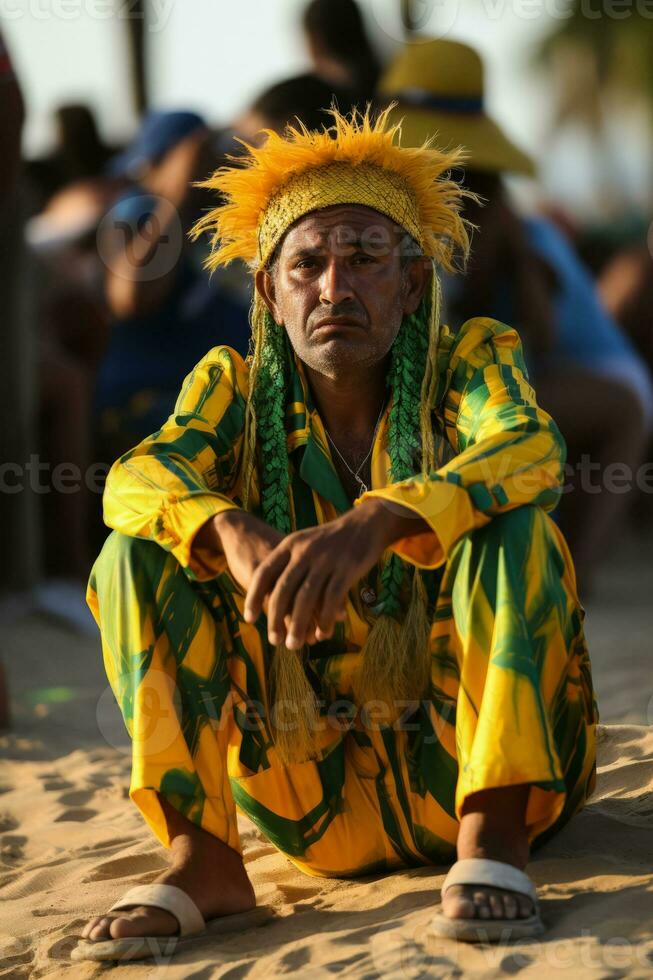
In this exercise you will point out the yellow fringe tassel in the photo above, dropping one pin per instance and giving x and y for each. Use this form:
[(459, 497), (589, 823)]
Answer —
[(248, 454), (396, 661), (295, 710), (430, 379)]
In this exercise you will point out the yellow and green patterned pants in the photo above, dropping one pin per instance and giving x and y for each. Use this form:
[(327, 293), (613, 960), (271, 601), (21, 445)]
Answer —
[(511, 703)]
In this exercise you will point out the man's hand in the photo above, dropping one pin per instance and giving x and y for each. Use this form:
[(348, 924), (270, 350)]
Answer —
[(244, 540), (246, 543), (301, 581), (302, 584)]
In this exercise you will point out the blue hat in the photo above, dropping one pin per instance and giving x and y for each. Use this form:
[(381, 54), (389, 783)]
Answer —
[(159, 133), (133, 207)]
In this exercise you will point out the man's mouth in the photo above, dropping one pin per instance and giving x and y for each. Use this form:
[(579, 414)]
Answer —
[(337, 324)]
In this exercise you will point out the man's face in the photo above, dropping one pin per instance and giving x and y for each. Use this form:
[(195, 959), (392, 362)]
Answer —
[(340, 289)]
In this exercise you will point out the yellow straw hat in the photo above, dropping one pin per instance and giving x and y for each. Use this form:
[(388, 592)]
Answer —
[(358, 160), (438, 86)]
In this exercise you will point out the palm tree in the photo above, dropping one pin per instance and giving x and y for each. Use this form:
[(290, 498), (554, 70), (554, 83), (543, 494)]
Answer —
[(136, 21), (620, 52)]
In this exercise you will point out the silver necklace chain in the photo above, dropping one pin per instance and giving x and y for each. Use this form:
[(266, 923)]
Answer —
[(362, 486)]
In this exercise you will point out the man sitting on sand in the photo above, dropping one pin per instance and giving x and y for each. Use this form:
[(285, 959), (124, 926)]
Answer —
[(333, 597)]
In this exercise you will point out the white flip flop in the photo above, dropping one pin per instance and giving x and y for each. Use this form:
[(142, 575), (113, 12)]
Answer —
[(495, 874), (190, 919)]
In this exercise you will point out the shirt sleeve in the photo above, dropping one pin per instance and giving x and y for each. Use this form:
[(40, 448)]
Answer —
[(166, 488), (508, 451)]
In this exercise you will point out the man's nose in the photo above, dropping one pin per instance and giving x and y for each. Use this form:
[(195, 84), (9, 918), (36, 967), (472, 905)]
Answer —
[(335, 285)]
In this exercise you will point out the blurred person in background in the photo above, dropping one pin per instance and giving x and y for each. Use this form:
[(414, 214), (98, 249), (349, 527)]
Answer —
[(15, 408), (12, 116), (305, 97), (104, 331), (16, 380), (73, 335), (79, 153), (164, 312), (523, 271), (340, 48), (626, 288), (47, 385)]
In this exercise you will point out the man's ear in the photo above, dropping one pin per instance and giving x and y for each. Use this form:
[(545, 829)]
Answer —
[(264, 281), (417, 276)]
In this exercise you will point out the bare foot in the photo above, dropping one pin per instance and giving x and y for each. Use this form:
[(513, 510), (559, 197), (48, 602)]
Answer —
[(210, 873), (493, 826)]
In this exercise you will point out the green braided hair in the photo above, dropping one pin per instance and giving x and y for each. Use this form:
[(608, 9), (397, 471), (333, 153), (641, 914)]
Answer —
[(396, 659), (269, 397)]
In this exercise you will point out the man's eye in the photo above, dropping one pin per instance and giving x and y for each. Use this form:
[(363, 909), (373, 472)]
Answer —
[(306, 264), (362, 258)]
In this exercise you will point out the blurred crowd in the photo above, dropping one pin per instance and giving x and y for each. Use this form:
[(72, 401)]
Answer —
[(124, 309)]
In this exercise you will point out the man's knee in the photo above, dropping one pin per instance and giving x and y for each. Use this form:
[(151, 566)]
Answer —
[(521, 520), (123, 549), (517, 526), (124, 558), (524, 540)]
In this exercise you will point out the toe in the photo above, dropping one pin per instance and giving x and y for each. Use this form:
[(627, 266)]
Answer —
[(86, 931), (511, 908), (496, 906), (144, 922), (524, 907), (482, 905), (462, 902), (123, 926), (101, 929), (458, 904)]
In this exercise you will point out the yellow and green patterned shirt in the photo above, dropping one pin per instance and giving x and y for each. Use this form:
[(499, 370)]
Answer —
[(498, 450)]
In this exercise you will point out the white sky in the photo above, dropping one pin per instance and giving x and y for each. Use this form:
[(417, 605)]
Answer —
[(215, 55)]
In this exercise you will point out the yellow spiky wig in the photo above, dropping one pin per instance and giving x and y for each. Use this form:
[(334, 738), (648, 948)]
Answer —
[(358, 160)]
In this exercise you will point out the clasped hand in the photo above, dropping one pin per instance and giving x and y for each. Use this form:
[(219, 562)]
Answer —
[(301, 581)]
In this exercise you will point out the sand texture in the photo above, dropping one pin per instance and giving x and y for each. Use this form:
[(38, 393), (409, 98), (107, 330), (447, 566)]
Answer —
[(71, 842)]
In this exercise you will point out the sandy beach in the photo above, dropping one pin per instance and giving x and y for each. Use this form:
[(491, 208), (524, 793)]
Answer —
[(71, 842)]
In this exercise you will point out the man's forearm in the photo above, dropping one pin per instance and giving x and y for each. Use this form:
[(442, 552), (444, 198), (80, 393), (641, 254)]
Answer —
[(221, 529), (387, 523), (392, 521)]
